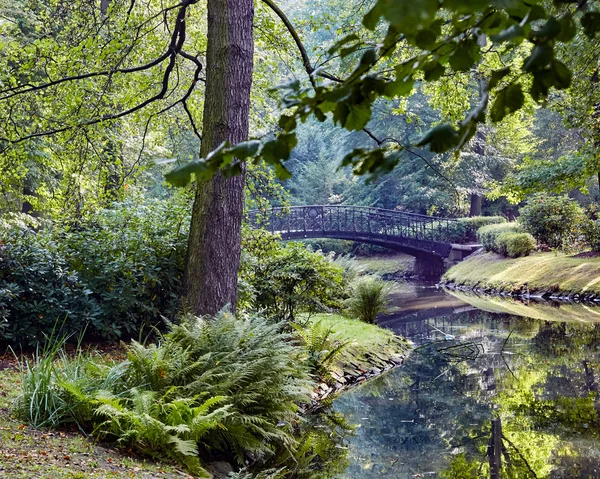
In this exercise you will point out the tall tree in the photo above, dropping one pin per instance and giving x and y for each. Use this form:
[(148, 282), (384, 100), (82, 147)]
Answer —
[(215, 232)]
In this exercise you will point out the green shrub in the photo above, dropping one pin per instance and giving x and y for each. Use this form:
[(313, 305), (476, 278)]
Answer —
[(464, 230), (286, 279), (487, 234), (223, 384), (591, 233), (368, 299), (515, 244), (37, 287), (552, 220), (116, 271)]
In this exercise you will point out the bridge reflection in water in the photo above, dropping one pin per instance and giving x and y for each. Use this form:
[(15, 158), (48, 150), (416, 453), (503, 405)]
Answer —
[(425, 237)]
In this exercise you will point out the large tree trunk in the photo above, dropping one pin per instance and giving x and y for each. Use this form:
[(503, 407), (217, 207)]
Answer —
[(215, 232)]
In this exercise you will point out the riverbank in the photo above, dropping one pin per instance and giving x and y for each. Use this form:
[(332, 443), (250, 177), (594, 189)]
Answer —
[(26, 452), (548, 275), (369, 352)]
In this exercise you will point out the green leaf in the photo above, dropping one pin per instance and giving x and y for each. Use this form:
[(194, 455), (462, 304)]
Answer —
[(287, 123), (409, 16), (279, 149), (182, 175), (399, 87), (540, 57), (425, 39), (282, 172), (433, 71), (562, 75), (497, 75), (371, 19), (508, 100), (440, 139), (245, 149), (353, 116), (568, 29), (591, 23), (550, 30), (466, 6), (344, 41), (465, 56)]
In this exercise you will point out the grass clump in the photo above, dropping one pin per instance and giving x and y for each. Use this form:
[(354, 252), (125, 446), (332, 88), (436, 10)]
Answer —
[(215, 385), (368, 299)]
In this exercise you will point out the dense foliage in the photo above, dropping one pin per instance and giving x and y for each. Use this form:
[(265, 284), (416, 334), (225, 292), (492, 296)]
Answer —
[(222, 385), (368, 298), (552, 220), (114, 273), (464, 230), (515, 244)]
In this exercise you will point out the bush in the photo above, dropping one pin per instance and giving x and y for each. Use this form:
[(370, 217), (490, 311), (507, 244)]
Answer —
[(222, 384), (487, 235), (464, 230), (591, 233), (368, 299), (552, 220), (38, 290), (116, 271), (515, 244), (287, 279)]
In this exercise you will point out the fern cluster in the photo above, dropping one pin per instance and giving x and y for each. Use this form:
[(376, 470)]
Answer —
[(216, 385), (369, 298)]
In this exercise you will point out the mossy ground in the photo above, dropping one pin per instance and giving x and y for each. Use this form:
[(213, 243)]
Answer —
[(27, 453), (540, 272)]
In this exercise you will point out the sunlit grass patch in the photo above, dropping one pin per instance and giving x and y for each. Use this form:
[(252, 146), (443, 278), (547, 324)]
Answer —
[(540, 271), (362, 338)]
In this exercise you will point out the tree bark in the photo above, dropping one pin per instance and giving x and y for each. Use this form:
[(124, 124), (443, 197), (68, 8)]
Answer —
[(215, 232)]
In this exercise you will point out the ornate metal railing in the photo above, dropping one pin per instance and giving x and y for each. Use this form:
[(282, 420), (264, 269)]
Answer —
[(353, 221)]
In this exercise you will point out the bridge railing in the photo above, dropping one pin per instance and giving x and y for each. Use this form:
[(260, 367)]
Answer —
[(295, 220)]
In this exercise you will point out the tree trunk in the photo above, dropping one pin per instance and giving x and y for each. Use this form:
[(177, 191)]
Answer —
[(215, 232), (475, 209)]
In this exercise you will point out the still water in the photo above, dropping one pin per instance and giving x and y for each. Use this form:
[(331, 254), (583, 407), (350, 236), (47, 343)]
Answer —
[(483, 393)]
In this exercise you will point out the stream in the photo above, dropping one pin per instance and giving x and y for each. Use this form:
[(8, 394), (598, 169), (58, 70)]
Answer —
[(494, 388)]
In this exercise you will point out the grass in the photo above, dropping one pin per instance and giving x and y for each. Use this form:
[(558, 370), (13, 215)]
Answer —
[(540, 272), (386, 264), (363, 338), (28, 453)]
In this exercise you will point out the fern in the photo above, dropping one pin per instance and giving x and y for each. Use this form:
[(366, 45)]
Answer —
[(322, 348)]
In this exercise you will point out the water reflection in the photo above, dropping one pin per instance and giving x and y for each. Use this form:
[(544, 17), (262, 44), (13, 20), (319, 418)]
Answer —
[(484, 395)]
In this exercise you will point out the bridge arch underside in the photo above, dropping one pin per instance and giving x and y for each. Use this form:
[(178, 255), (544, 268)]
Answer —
[(429, 255), (412, 247)]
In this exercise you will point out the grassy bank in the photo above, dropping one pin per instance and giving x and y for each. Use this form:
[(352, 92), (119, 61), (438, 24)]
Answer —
[(543, 272), (387, 265), (363, 339)]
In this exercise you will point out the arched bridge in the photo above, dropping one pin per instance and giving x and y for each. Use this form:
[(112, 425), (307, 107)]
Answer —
[(425, 237)]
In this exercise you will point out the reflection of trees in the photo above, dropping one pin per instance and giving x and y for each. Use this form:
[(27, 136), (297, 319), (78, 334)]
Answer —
[(539, 386)]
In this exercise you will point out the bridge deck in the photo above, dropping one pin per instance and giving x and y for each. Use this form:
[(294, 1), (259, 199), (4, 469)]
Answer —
[(408, 232)]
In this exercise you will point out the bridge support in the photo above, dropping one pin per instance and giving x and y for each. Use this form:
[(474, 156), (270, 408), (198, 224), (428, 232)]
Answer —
[(429, 266)]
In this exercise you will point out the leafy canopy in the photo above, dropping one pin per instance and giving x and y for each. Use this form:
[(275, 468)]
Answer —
[(421, 41)]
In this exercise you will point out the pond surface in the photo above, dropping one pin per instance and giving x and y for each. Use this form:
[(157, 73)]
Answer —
[(482, 392)]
